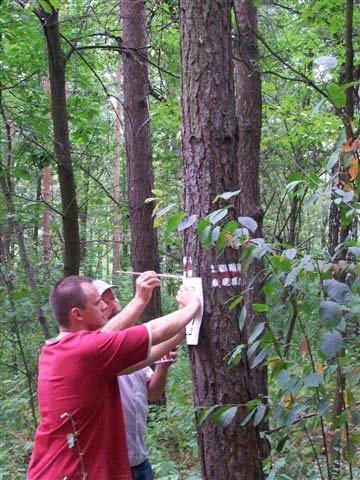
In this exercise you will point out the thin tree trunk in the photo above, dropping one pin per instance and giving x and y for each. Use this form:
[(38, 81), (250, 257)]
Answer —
[(6, 187), (145, 254), (46, 216), (50, 24), (116, 183), (209, 139)]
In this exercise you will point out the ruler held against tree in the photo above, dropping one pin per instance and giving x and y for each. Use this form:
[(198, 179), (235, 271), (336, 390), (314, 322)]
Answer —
[(192, 328)]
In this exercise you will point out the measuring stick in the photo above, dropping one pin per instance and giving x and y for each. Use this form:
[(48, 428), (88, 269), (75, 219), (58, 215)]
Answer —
[(162, 275)]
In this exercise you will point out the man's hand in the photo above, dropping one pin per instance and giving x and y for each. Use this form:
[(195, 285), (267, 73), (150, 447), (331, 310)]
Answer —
[(145, 285), (187, 296)]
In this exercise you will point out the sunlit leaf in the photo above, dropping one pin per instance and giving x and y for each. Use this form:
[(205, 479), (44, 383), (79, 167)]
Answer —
[(337, 95), (187, 222), (164, 210), (259, 358), (227, 195), (174, 221), (225, 415), (217, 215), (248, 223)]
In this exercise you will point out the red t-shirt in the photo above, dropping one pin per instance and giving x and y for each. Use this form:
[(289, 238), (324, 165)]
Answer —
[(78, 392)]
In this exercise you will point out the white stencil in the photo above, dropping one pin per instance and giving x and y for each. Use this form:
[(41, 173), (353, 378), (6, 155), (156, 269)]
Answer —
[(193, 328)]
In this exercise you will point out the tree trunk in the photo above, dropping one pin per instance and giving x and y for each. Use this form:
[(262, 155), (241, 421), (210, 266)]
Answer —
[(209, 138), (59, 116), (248, 111), (145, 254), (116, 183), (6, 187), (46, 217)]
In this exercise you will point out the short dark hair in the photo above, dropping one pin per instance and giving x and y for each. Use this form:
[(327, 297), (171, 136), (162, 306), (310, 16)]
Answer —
[(67, 294)]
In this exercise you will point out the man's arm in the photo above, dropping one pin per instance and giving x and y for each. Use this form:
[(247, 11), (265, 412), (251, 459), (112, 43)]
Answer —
[(157, 351), (157, 384), (145, 284), (164, 328)]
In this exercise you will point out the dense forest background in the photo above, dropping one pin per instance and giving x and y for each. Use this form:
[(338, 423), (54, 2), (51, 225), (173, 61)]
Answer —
[(135, 134)]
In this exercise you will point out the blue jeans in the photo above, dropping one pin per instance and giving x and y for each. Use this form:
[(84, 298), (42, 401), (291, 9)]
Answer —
[(143, 471)]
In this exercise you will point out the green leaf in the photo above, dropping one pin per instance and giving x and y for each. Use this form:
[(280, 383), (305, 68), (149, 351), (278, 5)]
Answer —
[(248, 417), (205, 412), (338, 291), (202, 224), (215, 235), (187, 222), (248, 223), (45, 6), (242, 318), (225, 415), (330, 314), (174, 221), (313, 380), (260, 307), (55, 3), (227, 195), (256, 332), (290, 253), (291, 277), (236, 355), (281, 263), (235, 302), (259, 415), (217, 215), (205, 236), (164, 210), (333, 160), (291, 185), (259, 358), (281, 443), (337, 95), (331, 344)]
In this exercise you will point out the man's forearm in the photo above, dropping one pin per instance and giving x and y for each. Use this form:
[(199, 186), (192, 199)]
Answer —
[(164, 328), (157, 384), (156, 352), (127, 317)]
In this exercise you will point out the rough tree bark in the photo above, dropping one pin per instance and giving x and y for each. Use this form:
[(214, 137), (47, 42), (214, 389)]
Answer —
[(209, 138), (116, 182), (145, 254), (56, 60), (249, 117)]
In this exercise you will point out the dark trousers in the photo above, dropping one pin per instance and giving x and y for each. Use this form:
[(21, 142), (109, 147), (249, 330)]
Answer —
[(143, 471)]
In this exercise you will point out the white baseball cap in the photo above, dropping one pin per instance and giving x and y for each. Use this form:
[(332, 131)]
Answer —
[(102, 286)]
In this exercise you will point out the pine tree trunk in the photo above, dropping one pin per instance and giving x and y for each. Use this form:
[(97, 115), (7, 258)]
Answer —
[(145, 254), (116, 182), (249, 115), (209, 138)]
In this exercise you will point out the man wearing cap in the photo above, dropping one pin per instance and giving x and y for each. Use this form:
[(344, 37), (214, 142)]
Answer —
[(81, 432), (137, 389)]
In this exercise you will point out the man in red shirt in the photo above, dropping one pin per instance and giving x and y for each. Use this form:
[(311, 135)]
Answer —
[(81, 432)]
